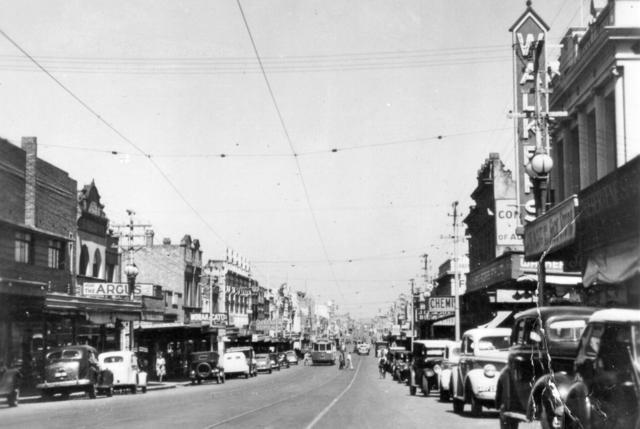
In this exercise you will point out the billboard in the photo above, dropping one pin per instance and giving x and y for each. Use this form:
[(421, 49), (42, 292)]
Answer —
[(103, 290)]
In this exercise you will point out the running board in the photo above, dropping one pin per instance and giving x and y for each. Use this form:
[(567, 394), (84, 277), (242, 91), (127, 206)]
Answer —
[(514, 415)]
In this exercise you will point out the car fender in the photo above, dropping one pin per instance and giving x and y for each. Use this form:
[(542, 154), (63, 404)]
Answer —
[(473, 379), (503, 389), (577, 402), (445, 379)]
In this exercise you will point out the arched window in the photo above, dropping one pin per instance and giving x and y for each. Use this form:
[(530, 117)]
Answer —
[(97, 261), (84, 260)]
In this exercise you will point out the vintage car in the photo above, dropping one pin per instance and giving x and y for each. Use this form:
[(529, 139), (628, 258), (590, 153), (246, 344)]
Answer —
[(544, 341), (273, 358), (427, 361), (604, 393), (71, 369), (363, 348), (483, 354), (263, 363), (449, 364), (291, 356), (10, 381), (380, 348), (125, 373), (205, 366), (235, 363), (250, 354), (283, 361), (399, 363)]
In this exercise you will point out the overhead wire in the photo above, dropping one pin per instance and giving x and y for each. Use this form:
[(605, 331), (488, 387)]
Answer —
[(117, 132), (291, 146)]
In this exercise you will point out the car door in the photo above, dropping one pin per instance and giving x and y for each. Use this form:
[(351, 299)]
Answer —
[(520, 362), (465, 364)]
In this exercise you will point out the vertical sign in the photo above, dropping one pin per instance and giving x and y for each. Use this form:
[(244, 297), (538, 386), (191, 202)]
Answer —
[(528, 30)]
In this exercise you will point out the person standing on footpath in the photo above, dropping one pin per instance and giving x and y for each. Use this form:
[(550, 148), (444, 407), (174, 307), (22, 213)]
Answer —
[(161, 366), (349, 361)]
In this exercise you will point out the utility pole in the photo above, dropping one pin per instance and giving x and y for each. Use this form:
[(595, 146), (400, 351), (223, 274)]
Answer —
[(456, 270), (413, 333)]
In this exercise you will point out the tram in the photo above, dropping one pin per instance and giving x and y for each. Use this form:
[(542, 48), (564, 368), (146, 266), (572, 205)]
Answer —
[(323, 351)]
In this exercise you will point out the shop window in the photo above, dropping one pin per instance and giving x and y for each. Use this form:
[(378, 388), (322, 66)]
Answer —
[(24, 247), (55, 255)]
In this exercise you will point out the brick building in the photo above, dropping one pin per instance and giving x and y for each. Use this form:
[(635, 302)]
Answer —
[(38, 230)]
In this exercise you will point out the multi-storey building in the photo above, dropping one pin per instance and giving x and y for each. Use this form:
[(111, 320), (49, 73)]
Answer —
[(595, 150)]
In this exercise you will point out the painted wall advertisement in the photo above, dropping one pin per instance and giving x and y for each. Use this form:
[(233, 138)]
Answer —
[(507, 220)]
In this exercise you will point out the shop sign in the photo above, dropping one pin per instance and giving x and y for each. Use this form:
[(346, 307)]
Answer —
[(421, 314), (497, 271), (221, 319), (104, 290), (437, 315), (198, 317), (552, 231), (507, 220), (442, 303), (551, 267), (527, 33)]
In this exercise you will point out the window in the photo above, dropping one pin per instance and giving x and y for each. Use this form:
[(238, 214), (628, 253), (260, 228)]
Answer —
[(55, 255), (566, 330), (97, 263), (23, 248), (84, 260)]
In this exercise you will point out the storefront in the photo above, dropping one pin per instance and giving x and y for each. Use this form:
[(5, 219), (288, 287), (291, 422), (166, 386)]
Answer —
[(608, 238), (508, 283)]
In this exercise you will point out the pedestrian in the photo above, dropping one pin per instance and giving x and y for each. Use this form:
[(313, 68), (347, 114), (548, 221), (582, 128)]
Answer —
[(161, 366), (381, 366), (349, 361), (341, 366)]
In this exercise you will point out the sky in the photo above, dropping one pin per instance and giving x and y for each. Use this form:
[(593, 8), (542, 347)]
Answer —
[(340, 167)]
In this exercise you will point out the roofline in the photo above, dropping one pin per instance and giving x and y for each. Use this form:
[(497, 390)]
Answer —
[(535, 16)]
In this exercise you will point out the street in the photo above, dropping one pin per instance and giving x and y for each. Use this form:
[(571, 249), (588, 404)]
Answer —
[(299, 397)]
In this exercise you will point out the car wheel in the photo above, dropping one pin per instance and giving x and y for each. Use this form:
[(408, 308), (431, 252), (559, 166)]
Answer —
[(199, 381), (13, 398), (110, 391), (458, 406), (46, 395), (444, 395), (246, 375), (65, 395), (412, 390), (91, 391), (270, 371), (476, 406), (144, 389), (133, 390)]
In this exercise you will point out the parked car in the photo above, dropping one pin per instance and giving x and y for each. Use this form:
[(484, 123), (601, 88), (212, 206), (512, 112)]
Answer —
[(543, 341), (399, 363), (250, 354), (125, 373), (292, 358), (448, 365), (205, 366), (426, 364), (70, 369), (263, 363), (604, 392), (235, 363), (483, 354), (10, 381)]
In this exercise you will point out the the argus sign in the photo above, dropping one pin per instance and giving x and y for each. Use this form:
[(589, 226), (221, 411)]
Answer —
[(116, 289)]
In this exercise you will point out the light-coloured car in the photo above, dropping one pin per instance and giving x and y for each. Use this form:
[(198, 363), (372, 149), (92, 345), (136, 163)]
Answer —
[(235, 363), (126, 372), (483, 354), (449, 365), (292, 357)]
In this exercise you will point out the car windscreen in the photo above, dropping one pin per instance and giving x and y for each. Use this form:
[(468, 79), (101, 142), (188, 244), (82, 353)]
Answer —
[(113, 359), (499, 342), (566, 331)]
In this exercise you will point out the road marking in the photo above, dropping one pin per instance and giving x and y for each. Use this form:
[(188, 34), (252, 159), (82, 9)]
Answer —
[(337, 398)]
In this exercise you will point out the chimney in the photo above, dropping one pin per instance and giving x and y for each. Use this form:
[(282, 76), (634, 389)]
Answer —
[(30, 146), (148, 237)]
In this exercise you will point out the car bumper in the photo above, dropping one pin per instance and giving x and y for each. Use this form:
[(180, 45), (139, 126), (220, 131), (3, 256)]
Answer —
[(62, 384)]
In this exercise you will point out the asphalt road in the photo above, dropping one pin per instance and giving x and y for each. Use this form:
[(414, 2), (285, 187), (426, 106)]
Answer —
[(299, 397)]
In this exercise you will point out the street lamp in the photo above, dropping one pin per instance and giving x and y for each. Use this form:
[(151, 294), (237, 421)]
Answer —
[(131, 271), (538, 169)]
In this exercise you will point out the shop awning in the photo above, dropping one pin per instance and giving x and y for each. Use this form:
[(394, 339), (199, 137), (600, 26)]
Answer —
[(96, 310), (613, 264), (448, 321), (500, 317)]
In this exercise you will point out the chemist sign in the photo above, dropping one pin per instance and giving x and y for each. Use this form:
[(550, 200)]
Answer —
[(507, 220)]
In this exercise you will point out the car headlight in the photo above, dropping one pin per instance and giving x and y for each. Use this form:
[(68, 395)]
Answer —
[(489, 371), (437, 369), (429, 373)]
